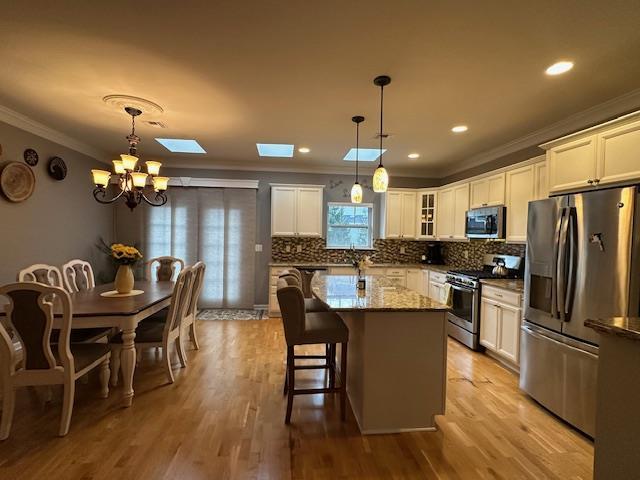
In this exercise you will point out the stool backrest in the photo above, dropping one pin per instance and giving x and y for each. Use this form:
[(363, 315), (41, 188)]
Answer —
[(291, 302), (293, 271), (290, 279), (78, 276), (179, 300), (29, 315), (165, 268), (41, 273)]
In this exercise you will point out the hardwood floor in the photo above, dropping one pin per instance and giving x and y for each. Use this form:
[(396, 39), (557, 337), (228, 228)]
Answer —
[(224, 418)]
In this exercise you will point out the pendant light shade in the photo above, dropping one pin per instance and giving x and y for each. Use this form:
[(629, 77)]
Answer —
[(380, 180), (356, 190), (381, 176)]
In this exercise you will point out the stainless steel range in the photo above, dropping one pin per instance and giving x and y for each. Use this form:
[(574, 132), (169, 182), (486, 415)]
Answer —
[(464, 317)]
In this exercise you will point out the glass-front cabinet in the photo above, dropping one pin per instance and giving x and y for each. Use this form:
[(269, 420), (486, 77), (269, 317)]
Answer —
[(426, 214)]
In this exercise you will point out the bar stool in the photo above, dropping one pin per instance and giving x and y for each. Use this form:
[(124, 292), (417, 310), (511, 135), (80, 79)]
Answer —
[(311, 328), (294, 277)]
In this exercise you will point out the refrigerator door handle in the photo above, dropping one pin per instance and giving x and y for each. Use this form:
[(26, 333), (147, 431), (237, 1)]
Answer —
[(571, 278), (561, 264), (554, 271)]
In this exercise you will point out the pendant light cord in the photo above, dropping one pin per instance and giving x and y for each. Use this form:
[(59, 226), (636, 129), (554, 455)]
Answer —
[(381, 109), (357, 147)]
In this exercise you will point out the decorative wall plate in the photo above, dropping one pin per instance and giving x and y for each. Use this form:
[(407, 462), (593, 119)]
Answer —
[(17, 181), (57, 168), (31, 157)]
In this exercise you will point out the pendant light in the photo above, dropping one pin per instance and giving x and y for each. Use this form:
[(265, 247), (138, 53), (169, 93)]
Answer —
[(380, 176), (356, 190)]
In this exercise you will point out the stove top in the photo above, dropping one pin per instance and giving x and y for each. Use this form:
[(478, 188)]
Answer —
[(479, 274)]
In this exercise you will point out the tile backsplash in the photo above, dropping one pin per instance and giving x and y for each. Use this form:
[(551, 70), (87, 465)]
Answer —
[(388, 251)]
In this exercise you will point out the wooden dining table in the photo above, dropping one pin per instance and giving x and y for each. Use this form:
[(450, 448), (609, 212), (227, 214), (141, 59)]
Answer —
[(90, 310)]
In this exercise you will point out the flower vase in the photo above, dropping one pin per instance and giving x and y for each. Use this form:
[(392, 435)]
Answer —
[(124, 279)]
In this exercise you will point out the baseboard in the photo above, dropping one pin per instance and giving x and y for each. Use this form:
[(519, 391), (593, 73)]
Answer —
[(503, 361)]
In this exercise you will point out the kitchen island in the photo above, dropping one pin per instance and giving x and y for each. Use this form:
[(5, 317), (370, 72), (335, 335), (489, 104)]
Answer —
[(397, 356)]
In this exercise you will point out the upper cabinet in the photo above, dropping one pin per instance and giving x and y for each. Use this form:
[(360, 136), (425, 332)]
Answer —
[(296, 210), (520, 191), (427, 204), (601, 155), (487, 191), (453, 204), (398, 214), (541, 180)]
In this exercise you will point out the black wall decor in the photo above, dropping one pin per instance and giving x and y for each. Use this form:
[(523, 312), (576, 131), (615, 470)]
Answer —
[(31, 157), (57, 168)]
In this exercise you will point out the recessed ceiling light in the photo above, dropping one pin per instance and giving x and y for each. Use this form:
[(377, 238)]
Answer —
[(364, 154), (559, 68), (459, 129), (179, 145), (414, 155), (275, 149), (304, 150)]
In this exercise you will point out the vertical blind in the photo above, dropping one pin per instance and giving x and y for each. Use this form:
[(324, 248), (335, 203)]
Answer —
[(216, 226)]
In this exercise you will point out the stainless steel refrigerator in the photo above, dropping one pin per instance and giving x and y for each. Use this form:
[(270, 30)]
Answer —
[(582, 261)]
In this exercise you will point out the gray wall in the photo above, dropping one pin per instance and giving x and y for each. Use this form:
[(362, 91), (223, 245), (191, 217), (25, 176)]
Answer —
[(61, 220), (128, 223)]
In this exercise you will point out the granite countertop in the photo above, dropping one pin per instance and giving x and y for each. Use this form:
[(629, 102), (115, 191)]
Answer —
[(505, 283), (439, 268), (628, 327), (339, 292)]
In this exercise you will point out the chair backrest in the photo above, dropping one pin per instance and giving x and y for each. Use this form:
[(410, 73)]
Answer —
[(196, 288), (41, 273), (291, 300), (78, 276), (180, 299), (290, 279), (29, 315), (165, 268), (293, 271)]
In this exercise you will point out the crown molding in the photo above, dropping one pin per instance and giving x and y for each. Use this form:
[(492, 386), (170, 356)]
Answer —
[(598, 113), (25, 123), (213, 183)]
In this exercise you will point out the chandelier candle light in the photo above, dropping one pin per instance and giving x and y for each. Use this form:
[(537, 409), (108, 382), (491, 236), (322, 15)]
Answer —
[(356, 190), (132, 181), (380, 176)]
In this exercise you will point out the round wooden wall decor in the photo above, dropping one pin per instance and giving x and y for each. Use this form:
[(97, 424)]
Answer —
[(17, 181), (57, 168), (31, 157)]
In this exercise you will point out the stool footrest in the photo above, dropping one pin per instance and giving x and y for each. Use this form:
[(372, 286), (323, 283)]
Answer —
[(310, 391), (312, 357), (310, 367)]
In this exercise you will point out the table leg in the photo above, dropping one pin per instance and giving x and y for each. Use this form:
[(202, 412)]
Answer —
[(128, 364)]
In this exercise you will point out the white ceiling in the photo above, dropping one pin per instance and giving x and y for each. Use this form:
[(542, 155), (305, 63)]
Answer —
[(233, 73)]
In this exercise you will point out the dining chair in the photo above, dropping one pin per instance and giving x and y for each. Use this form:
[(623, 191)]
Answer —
[(41, 273), (161, 334), (192, 310), (29, 313), (51, 275), (78, 276), (310, 304), (310, 328), (165, 268)]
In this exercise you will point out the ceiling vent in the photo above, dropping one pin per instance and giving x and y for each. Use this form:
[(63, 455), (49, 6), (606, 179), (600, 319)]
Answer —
[(155, 124)]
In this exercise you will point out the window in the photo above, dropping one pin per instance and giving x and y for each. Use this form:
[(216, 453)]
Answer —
[(349, 225)]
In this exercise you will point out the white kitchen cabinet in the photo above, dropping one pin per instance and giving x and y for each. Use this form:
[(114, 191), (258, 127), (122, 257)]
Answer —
[(460, 207), (274, 307), (414, 279), (572, 165), (296, 210), (445, 213), (398, 214), (436, 285), (426, 209), (487, 191), (500, 321), (619, 154), (342, 271), (424, 282), (541, 180), (519, 192), (489, 319)]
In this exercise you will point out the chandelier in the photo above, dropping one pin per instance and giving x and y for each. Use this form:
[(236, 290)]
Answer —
[(131, 181)]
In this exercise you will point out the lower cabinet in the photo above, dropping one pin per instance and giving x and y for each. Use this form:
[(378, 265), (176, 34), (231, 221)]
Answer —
[(500, 320), (414, 279), (274, 307)]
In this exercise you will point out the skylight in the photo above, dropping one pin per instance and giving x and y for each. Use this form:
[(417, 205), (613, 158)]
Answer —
[(275, 149), (364, 154), (179, 145)]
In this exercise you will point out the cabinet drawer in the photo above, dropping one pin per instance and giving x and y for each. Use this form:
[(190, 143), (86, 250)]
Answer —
[(502, 296), (375, 271), (437, 277), (396, 272)]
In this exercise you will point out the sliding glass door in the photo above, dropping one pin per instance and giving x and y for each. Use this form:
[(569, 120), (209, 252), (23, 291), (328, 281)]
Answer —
[(217, 226)]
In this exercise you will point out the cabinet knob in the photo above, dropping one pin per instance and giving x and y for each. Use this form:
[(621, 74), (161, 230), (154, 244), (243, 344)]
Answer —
[(596, 181), (590, 182)]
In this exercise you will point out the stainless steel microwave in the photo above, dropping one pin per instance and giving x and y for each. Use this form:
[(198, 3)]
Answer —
[(486, 222)]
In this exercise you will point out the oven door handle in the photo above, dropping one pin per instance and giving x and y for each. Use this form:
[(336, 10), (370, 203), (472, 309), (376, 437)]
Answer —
[(461, 289)]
